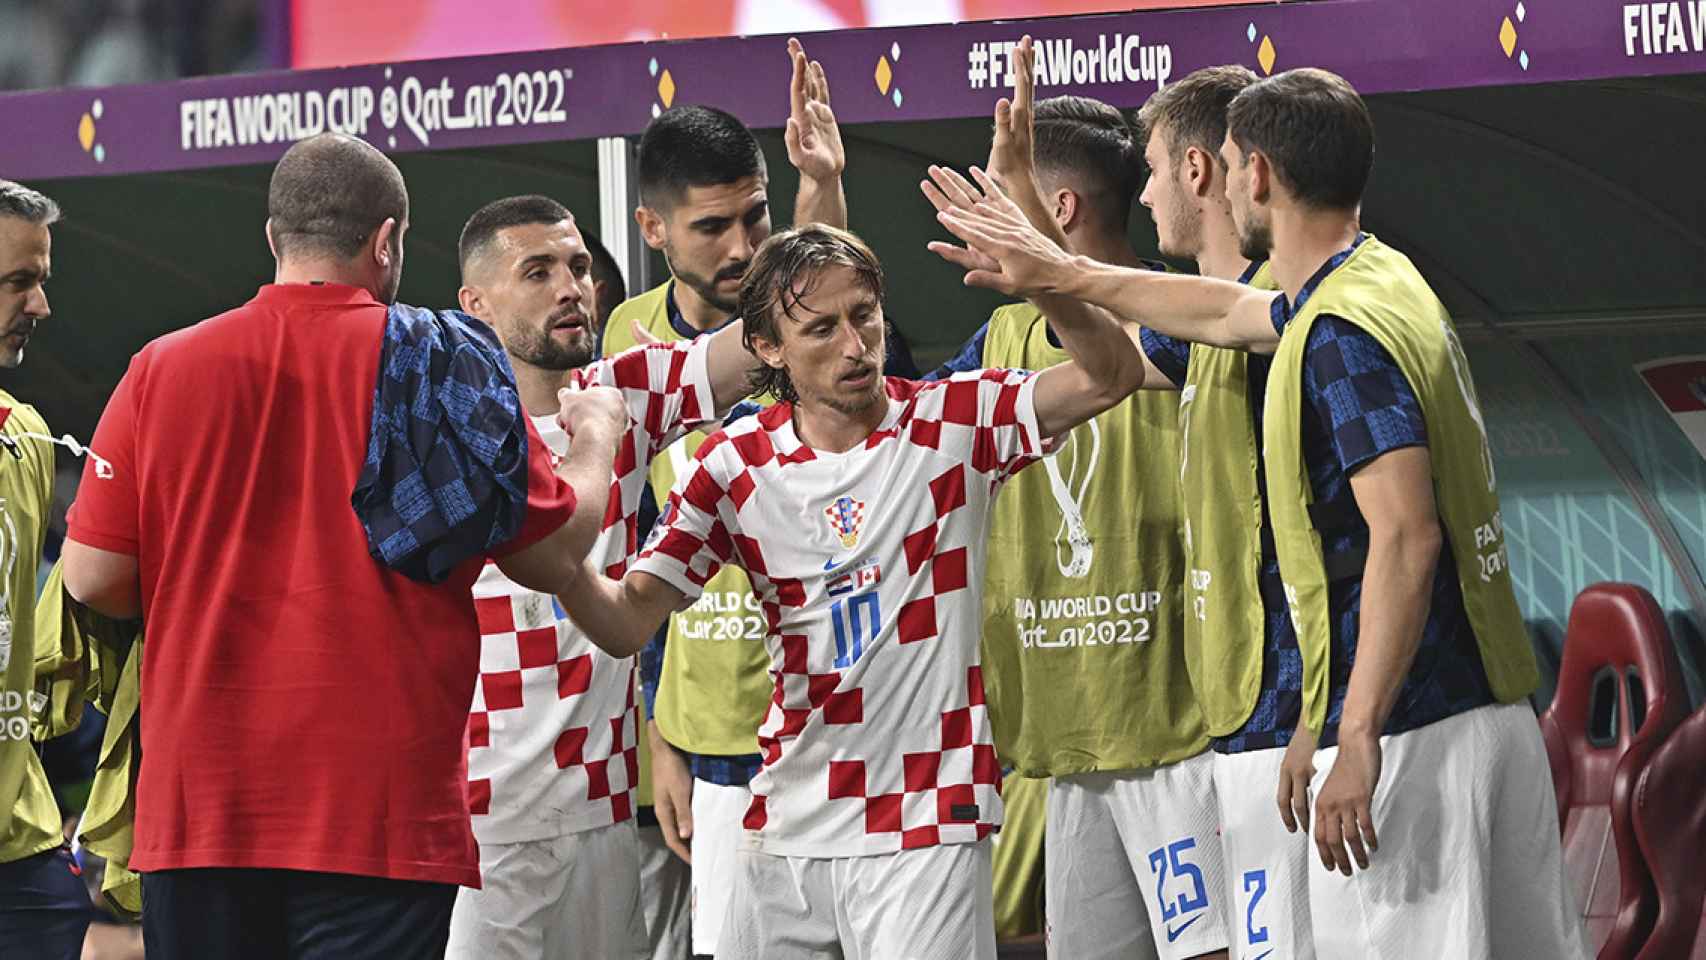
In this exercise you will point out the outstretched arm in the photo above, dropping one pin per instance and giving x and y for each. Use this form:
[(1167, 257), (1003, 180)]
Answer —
[(619, 616), (1012, 148), (814, 144), (1013, 166), (1004, 252), (730, 365), (1106, 366), (595, 419)]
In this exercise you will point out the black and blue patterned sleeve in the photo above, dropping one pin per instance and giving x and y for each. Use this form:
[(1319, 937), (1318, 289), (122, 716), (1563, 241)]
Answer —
[(651, 668), (1364, 402), (968, 357), (1170, 355)]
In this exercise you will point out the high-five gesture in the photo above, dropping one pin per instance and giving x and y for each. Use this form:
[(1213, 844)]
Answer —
[(812, 136), (1003, 250), (814, 145), (1012, 150)]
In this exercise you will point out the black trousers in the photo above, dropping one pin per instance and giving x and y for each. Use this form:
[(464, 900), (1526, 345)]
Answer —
[(245, 914), (44, 907)]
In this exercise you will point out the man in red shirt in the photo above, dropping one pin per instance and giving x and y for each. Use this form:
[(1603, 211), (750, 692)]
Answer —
[(302, 704)]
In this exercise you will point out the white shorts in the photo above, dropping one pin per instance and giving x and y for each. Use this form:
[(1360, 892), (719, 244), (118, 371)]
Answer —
[(1267, 869), (1469, 865), (665, 891), (1133, 864), (572, 896), (717, 832), (932, 903)]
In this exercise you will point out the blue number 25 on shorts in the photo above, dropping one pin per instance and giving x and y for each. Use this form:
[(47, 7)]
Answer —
[(1173, 859)]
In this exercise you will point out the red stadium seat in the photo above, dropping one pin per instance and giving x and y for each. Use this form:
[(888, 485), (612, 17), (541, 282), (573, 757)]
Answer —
[(1670, 822), (1620, 693)]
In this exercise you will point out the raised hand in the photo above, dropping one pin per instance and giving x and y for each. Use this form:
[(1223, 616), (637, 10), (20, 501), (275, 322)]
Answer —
[(812, 136), (1002, 250), (1011, 152)]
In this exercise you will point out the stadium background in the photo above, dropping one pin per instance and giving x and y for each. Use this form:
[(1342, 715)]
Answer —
[(1539, 159)]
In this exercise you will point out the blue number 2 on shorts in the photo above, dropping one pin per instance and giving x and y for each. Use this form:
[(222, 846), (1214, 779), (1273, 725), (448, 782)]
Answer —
[(1171, 856), (1255, 884), (859, 618)]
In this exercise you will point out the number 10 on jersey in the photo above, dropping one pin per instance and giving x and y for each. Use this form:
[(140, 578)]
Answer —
[(857, 620)]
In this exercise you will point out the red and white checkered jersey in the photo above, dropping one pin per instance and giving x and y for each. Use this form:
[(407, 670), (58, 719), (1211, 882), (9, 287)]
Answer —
[(868, 566), (551, 735)]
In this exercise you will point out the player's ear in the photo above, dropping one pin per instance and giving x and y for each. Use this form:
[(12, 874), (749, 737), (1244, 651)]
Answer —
[(1066, 207), (769, 352), (382, 242), (652, 227), (1200, 170), (468, 298), (1261, 177)]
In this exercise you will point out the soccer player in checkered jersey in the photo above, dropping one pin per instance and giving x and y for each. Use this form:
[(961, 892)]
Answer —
[(859, 507), (551, 736)]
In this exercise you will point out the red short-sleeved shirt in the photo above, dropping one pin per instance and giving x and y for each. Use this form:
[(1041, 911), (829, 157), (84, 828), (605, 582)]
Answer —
[(302, 705)]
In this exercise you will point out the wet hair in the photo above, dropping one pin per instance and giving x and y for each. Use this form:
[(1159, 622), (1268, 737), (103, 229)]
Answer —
[(784, 271)]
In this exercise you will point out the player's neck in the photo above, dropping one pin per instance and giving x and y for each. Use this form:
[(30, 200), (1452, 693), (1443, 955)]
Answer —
[(832, 430), (1304, 239), (537, 387), (324, 271), (1219, 256), (1109, 248), (700, 314)]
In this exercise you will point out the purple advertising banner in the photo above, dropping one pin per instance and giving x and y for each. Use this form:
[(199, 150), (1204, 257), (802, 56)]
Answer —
[(900, 73)]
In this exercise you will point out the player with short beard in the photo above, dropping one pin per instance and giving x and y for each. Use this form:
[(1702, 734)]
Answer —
[(552, 761)]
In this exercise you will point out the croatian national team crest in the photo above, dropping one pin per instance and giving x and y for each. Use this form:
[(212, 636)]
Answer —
[(845, 516)]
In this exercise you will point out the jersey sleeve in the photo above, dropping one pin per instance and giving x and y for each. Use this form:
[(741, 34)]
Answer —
[(651, 668), (667, 387), (690, 541), (107, 512), (999, 406), (550, 499), (1169, 355), (1364, 402)]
